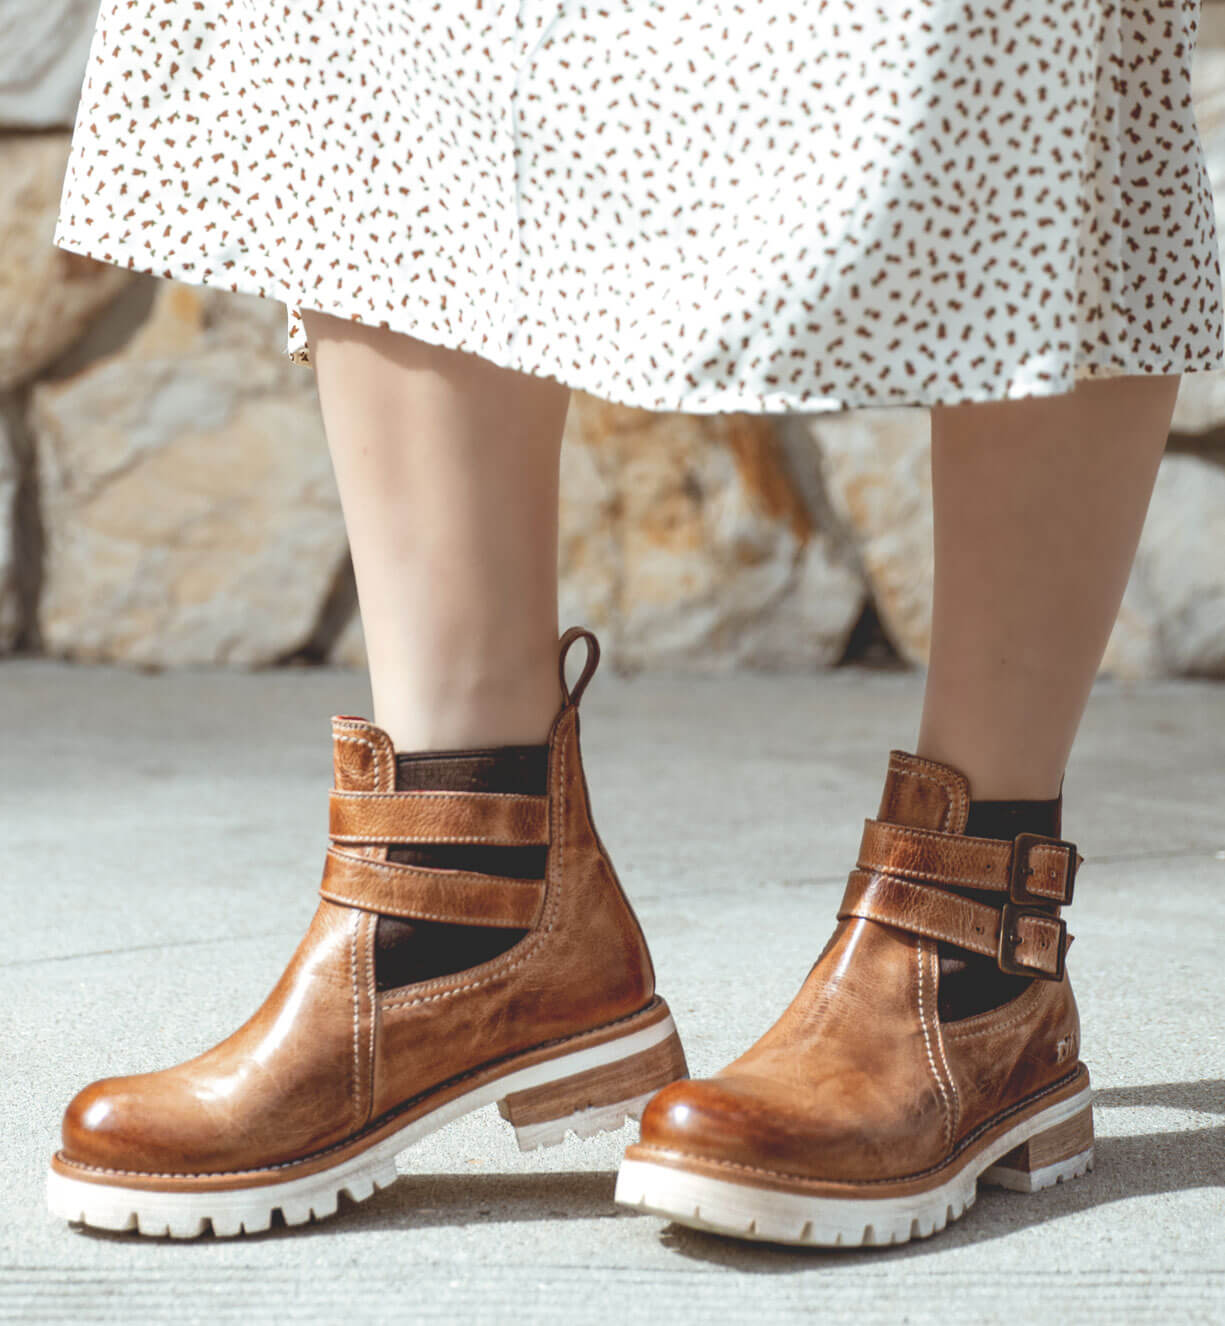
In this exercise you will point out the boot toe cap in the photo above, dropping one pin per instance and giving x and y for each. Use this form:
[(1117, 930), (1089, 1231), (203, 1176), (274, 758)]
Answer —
[(148, 1123), (102, 1127), (703, 1117), (756, 1124)]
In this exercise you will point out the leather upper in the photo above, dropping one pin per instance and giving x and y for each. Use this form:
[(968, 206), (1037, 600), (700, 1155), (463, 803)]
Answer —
[(326, 1053), (859, 1080)]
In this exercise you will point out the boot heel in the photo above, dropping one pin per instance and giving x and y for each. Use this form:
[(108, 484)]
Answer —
[(1060, 1153), (595, 1101)]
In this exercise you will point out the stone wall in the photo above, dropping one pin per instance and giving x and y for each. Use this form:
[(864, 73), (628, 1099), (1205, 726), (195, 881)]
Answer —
[(166, 497)]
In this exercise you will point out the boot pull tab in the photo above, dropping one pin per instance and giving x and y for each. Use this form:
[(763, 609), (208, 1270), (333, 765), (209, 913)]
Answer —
[(589, 666)]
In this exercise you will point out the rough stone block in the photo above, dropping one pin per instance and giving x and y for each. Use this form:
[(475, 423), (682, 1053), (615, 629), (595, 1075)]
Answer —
[(44, 45), (189, 507), (47, 294)]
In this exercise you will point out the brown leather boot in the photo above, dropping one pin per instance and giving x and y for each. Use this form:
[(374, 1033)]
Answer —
[(860, 1117), (331, 1077)]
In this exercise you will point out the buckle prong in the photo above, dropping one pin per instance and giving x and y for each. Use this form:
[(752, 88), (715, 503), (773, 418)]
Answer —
[(1010, 941), (1018, 881)]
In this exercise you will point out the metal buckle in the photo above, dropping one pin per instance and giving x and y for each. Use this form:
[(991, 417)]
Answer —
[(1010, 938), (1018, 890)]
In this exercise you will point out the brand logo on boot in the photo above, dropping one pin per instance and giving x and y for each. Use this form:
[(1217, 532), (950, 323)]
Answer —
[(1067, 1049)]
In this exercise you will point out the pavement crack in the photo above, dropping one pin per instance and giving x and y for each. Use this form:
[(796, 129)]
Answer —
[(139, 948)]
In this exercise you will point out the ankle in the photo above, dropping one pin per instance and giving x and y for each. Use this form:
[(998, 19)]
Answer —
[(455, 712), (996, 773)]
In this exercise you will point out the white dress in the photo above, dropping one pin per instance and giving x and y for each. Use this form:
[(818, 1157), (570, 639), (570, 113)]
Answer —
[(765, 205)]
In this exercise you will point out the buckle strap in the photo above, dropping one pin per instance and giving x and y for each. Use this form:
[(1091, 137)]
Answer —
[(495, 818), (460, 897), (1032, 870), (1024, 940)]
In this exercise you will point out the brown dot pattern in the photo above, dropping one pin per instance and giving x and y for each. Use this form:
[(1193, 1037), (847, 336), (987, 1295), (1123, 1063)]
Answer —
[(764, 205)]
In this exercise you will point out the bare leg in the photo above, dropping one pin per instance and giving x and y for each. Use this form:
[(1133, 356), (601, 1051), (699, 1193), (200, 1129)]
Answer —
[(1039, 505), (448, 475)]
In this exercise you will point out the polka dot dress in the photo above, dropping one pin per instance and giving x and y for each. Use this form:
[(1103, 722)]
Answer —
[(762, 205)]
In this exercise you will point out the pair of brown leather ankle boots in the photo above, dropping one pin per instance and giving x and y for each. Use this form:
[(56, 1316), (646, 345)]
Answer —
[(865, 1115)]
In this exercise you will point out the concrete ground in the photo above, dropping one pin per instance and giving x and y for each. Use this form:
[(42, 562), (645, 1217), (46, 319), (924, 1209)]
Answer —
[(162, 844)]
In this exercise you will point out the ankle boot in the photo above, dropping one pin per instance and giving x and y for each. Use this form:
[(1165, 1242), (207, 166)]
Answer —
[(861, 1116), (321, 1088)]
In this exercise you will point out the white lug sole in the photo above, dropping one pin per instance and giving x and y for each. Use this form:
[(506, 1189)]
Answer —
[(769, 1215), (568, 1078)]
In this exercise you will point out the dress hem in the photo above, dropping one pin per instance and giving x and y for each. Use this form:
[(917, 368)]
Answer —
[(1023, 384)]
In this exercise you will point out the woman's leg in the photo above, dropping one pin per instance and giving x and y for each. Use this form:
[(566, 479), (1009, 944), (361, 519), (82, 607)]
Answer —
[(1039, 505), (471, 942), (936, 1040), (448, 474)]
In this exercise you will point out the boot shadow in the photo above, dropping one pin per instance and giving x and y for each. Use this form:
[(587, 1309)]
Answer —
[(434, 1201), (1141, 1165)]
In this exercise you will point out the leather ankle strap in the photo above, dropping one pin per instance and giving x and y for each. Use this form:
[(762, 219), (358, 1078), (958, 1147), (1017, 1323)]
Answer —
[(460, 897), (1027, 941), (1032, 870), (493, 818)]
